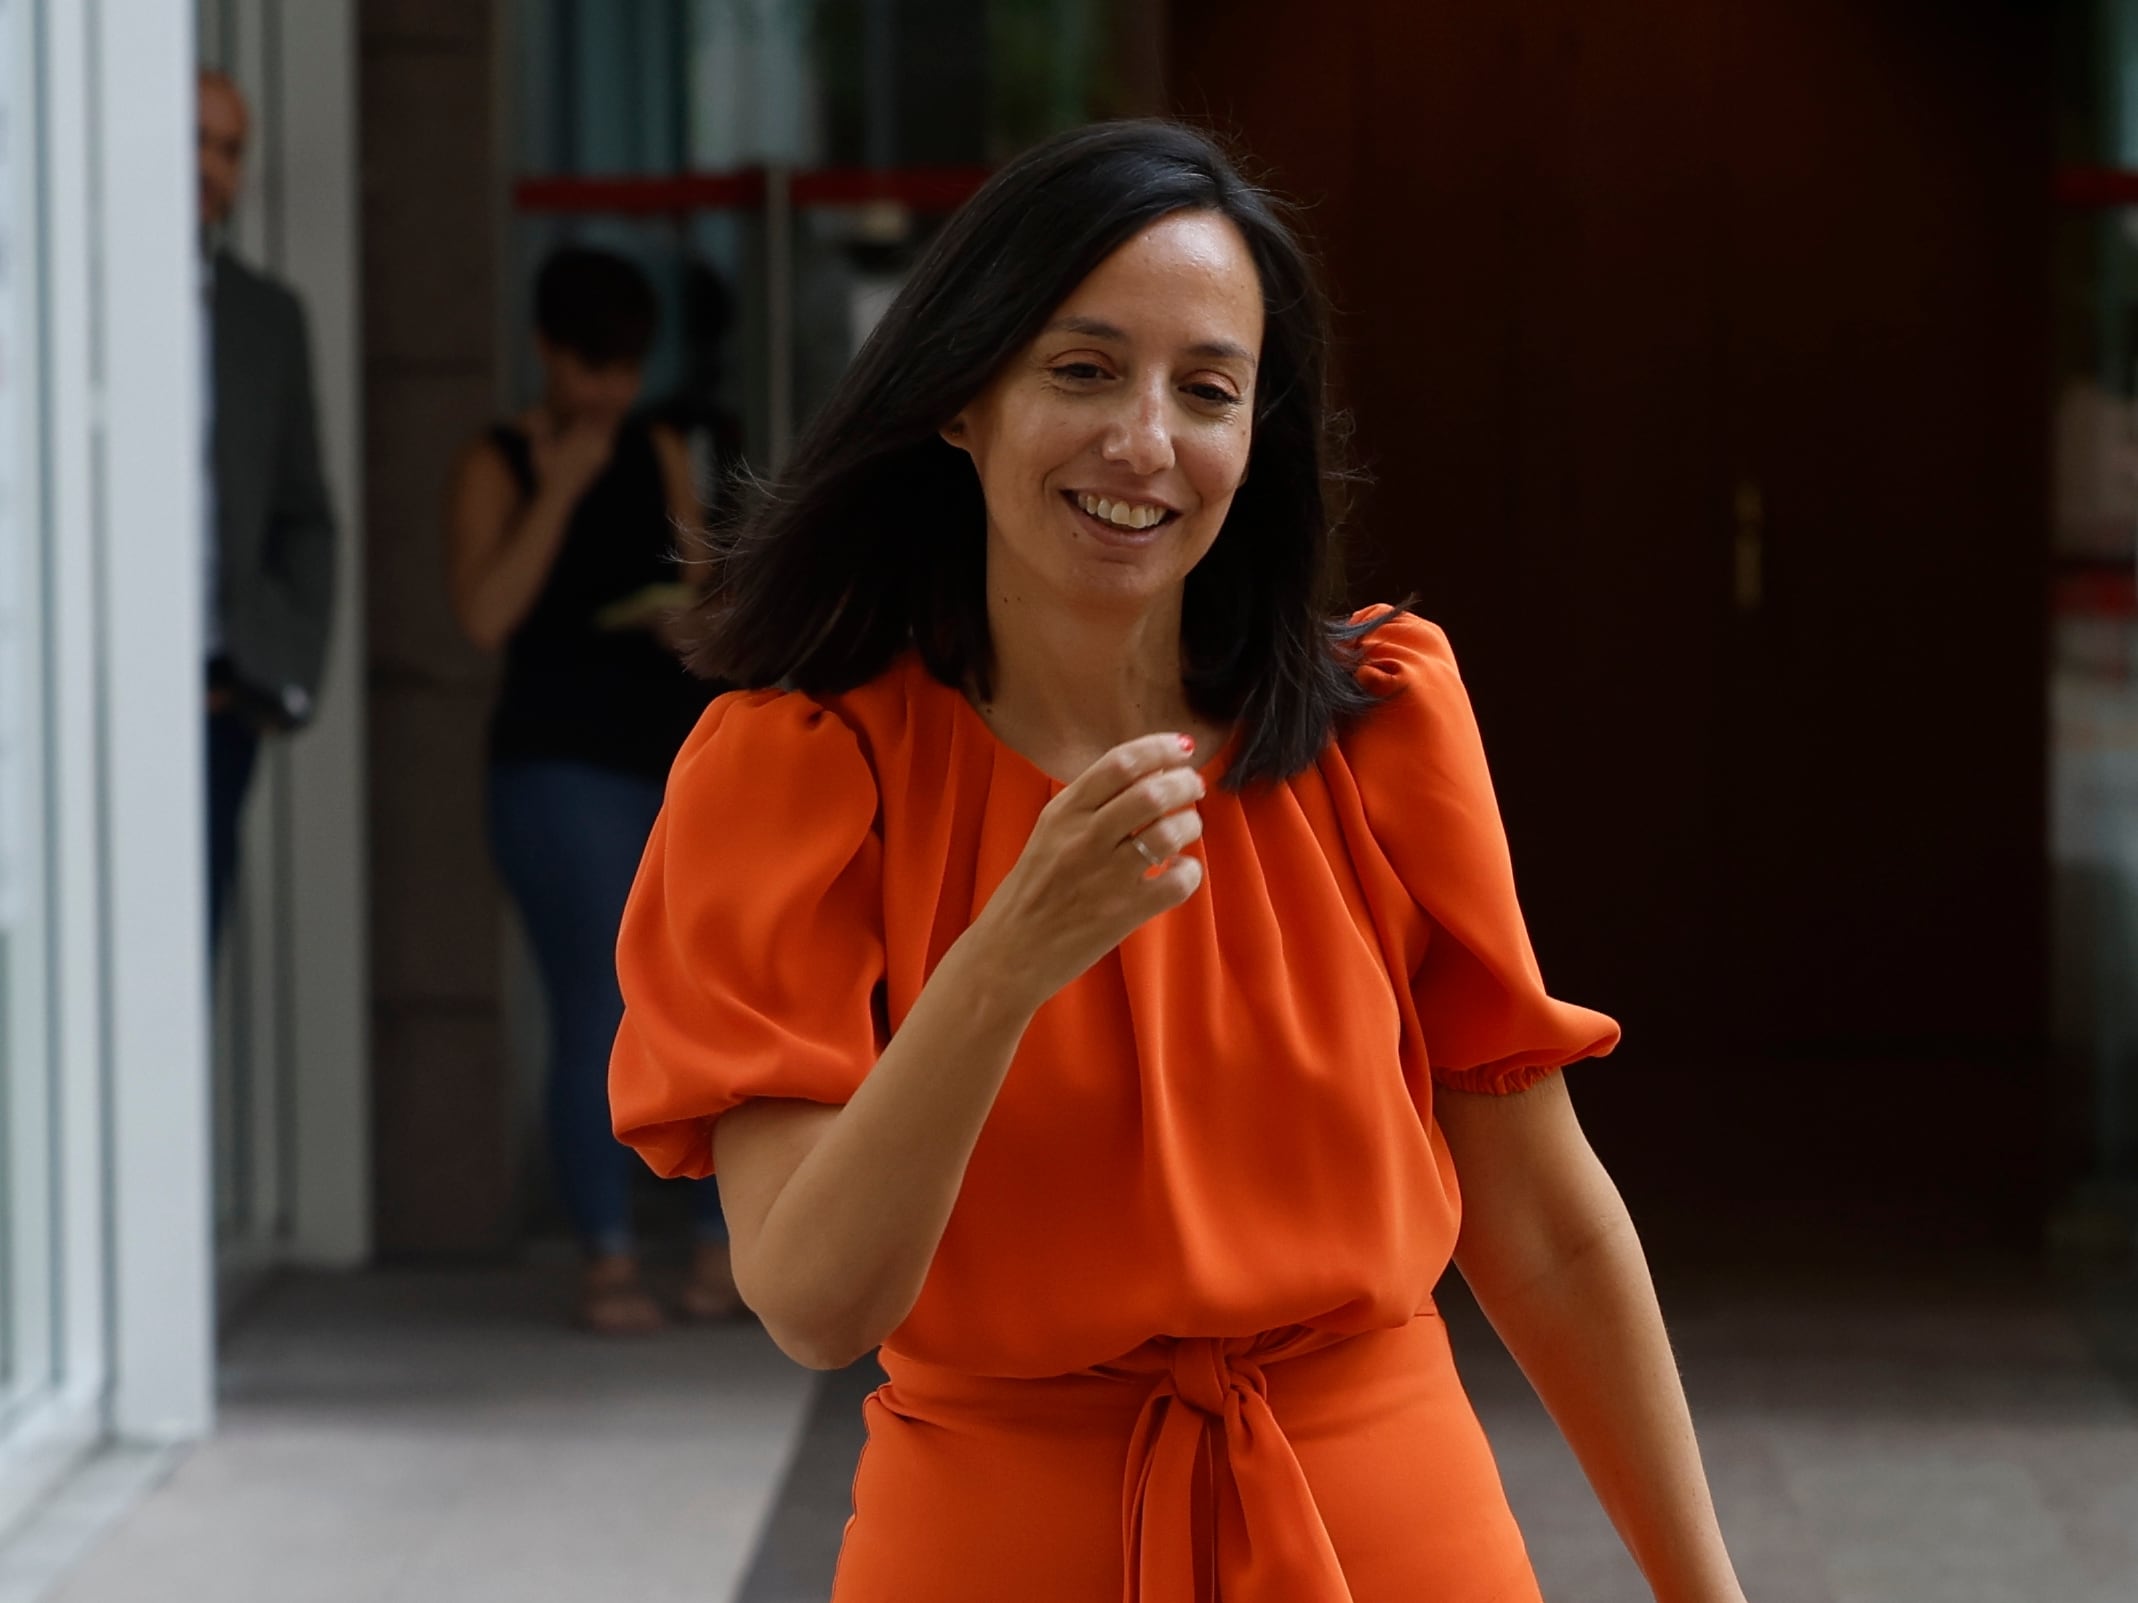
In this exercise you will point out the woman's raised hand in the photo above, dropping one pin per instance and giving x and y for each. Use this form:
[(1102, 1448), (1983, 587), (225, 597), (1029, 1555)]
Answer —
[(1082, 883), (567, 461)]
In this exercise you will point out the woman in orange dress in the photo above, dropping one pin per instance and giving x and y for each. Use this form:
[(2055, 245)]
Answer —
[(1095, 972)]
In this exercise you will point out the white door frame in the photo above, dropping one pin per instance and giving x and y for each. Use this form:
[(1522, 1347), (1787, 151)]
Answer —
[(136, 110), (303, 906)]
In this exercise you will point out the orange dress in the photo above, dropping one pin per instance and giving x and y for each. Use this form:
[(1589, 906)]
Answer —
[(1178, 1343)]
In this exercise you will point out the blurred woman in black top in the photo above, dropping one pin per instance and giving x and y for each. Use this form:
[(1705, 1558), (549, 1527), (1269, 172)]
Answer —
[(573, 536)]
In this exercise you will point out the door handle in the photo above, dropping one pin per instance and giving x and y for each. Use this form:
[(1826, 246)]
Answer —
[(1749, 569)]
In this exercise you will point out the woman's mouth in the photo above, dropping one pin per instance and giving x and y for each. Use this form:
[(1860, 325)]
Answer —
[(1119, 522)]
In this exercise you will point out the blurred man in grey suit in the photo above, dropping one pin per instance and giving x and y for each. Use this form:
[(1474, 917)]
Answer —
[(269, 530)]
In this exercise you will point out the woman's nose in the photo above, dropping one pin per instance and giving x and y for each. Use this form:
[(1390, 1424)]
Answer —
[(1140, 438)]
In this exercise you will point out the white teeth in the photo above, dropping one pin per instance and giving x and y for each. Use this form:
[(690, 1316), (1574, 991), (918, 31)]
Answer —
[(1121, 514)]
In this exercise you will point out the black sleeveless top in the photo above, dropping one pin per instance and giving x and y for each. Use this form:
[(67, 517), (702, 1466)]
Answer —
[(573, 691)]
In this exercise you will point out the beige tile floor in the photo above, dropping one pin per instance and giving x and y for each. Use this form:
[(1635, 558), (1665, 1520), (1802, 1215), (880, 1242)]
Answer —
[(1957, 1436), (422, 1437), (1962, 1435)]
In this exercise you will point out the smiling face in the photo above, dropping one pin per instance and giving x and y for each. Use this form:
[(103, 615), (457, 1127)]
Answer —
[(1110, 447)]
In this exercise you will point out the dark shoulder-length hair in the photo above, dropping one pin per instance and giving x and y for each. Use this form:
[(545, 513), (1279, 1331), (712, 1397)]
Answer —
[(873, 538)]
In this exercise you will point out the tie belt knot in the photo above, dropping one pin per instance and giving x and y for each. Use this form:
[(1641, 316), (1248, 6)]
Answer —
[(1207, 1370), (1252, 1533)]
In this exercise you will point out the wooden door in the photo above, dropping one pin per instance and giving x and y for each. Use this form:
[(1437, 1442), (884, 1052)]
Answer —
[(1885, 242), (1622, 284), (1520, 235)]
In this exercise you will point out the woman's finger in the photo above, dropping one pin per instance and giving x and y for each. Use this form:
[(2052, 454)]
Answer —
[(1171, 835), (1176, 882), (1122, 767), (1147, 800)]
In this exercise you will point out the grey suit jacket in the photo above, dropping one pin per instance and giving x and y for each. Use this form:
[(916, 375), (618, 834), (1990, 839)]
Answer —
[(274, 577)]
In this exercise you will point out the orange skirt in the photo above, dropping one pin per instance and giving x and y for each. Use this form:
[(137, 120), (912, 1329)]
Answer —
[(1292, 1467)]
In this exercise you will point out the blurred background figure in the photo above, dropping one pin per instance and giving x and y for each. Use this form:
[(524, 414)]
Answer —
[(572, 534), (268, 527)]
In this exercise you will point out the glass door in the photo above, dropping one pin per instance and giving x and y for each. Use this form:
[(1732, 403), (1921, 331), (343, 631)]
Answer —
[(776, 166), (29, 1294), (2094, 608)]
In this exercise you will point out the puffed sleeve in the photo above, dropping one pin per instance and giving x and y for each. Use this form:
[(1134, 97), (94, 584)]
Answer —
[(1489, 1024), (752, 944)]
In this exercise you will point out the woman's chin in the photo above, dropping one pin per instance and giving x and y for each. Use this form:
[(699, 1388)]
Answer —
[(1117, 584), (1083, 572)]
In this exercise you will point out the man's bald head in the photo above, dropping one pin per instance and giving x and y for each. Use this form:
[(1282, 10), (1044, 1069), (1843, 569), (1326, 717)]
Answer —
[(224, 124)]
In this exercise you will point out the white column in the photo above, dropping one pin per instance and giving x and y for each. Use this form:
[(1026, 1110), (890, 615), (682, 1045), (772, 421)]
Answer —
[(73, 686), (146, 286)]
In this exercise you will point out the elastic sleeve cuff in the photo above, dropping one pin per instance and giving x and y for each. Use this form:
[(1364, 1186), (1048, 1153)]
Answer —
[(1493, 1081)]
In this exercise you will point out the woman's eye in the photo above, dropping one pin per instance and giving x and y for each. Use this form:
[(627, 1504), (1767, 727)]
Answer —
[(1215, 394), (1080, 371)]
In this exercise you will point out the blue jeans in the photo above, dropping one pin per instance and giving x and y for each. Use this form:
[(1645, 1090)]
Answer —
[(233, 750), (568, 838)]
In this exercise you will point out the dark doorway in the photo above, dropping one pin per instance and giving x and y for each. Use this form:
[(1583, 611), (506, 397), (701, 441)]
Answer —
[(1700, 360)]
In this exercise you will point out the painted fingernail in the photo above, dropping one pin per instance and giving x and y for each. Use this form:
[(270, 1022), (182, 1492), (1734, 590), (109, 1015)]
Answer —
[(1187, 743)]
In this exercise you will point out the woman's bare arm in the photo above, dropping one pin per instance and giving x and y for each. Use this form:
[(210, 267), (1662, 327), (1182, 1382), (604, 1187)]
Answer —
[(835, 1214), (1551, 1253)]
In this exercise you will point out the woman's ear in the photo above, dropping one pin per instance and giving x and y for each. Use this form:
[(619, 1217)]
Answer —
[(953, 433)]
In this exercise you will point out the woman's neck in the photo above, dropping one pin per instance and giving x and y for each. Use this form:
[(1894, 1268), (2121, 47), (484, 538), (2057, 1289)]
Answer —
[(1071, 685)]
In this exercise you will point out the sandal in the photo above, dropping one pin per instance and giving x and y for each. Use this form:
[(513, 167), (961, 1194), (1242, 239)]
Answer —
[(613, 1302)]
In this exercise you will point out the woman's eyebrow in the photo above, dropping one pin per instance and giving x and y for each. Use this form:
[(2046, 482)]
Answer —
[(1098, 328), (1090, 327)]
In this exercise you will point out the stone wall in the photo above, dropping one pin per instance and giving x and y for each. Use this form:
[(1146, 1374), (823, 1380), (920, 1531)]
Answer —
[(433, 189)]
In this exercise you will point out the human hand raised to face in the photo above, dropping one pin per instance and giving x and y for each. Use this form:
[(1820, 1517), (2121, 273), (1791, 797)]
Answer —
[(569, 459)]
